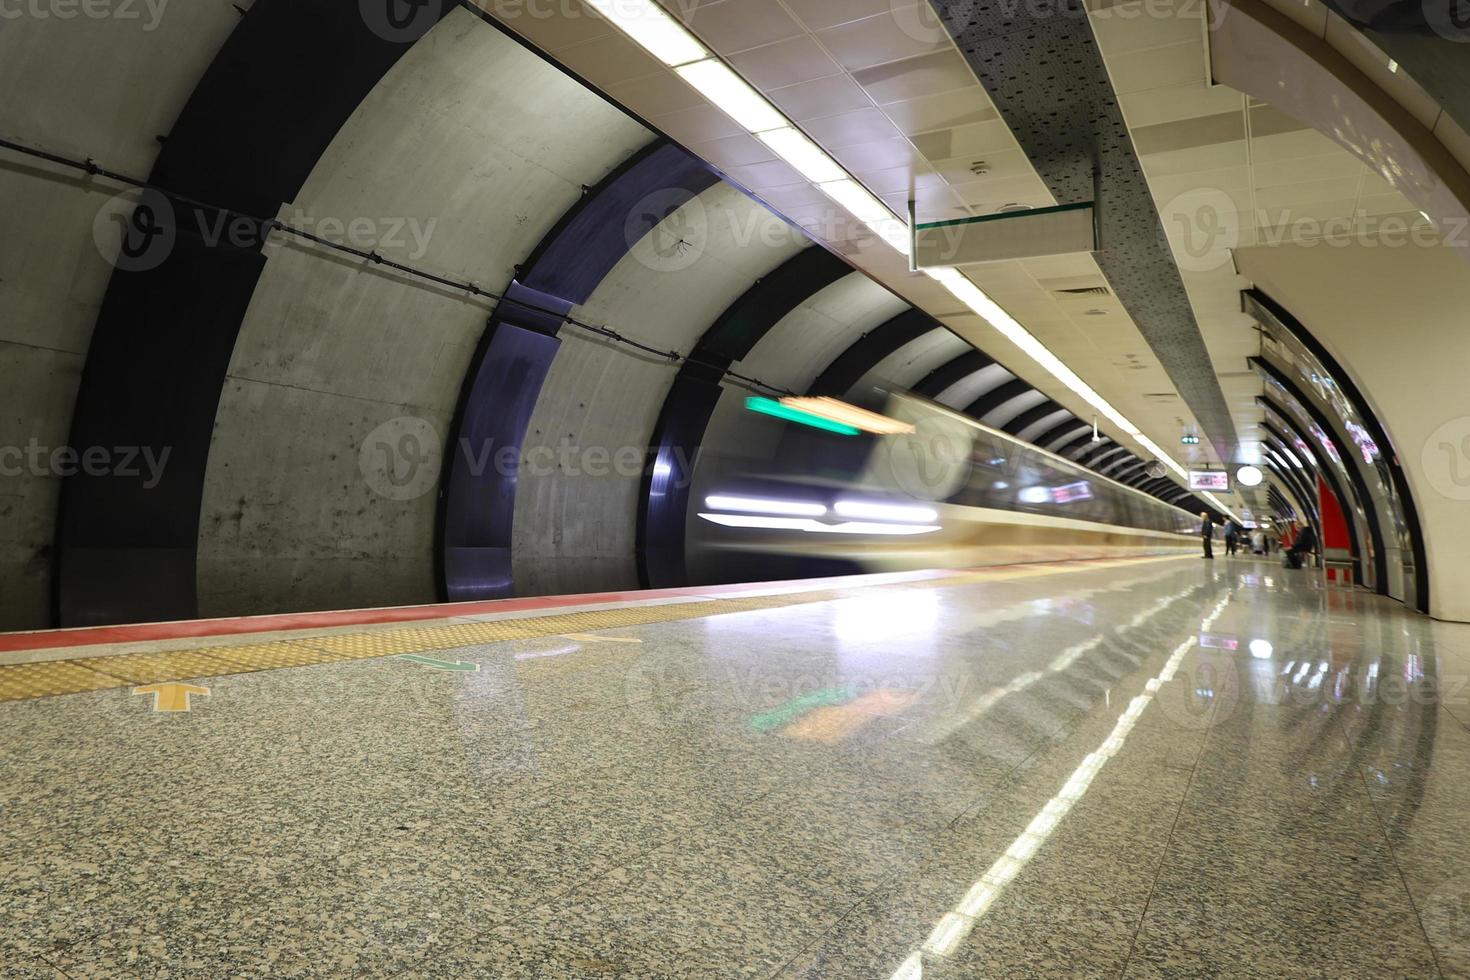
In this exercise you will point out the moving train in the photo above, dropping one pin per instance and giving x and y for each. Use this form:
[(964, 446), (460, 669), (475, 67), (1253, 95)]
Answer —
[(948, 492)]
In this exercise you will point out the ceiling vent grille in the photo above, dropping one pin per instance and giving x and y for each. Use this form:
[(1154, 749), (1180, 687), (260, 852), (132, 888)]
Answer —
[(1086, 291)]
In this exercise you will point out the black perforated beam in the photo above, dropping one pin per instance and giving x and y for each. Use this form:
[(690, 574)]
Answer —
[(1042, 69)]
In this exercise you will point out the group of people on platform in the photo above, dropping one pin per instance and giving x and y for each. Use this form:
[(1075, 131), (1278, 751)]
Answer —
[(1263, 539)]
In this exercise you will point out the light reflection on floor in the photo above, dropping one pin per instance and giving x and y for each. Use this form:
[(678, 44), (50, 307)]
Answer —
[(1159, 770)]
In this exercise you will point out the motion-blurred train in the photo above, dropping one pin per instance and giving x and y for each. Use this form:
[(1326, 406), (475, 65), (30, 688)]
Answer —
[(950, 492)]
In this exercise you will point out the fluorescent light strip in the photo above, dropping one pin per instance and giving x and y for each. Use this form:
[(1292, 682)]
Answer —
[(650, 26), (974, 297), (809, 159), (732, 95), (653, 29)]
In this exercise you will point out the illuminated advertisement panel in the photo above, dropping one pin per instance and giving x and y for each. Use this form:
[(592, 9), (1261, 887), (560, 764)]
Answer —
[(1209, 480)]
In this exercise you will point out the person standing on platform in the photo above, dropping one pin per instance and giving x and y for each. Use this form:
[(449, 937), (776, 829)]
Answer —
[(1207, 533), (1231, 536)]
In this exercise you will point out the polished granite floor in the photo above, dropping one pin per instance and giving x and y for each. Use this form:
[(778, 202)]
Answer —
[(1173, 769)]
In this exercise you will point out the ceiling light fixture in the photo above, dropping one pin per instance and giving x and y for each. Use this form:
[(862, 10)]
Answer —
[(809, 159), (653, 29), (732, 95)]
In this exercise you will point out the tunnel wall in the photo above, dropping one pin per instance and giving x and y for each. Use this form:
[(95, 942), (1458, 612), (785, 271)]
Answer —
[(80, 88), (575, 526), (298, 513), (1394, 318)]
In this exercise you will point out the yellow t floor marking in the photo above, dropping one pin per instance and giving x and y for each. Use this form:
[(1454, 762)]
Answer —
[(171, 697), (589, 638)]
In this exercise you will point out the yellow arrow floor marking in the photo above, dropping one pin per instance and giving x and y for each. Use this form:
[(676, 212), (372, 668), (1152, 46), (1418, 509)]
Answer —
[(589, 638), (171, 697)]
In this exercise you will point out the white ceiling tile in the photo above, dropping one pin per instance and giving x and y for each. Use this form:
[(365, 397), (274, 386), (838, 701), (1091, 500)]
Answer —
[(655, 95), (878, 40), (1163, 105), (1169, 67), (1200, 158), (879, 155), (846, 129), (1286, 198), (902, 81), (735, 25), (1300, 170), (608, 60), (821, 14), (1286, 146), (1131, 27), (784, 63), (945, 110), (822, 97), (698, 125), (733, 151), (988, 194)]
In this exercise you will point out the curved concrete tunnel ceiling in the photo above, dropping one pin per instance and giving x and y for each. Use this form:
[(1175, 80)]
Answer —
[(306, 358), (1264, 53), (896, 105)]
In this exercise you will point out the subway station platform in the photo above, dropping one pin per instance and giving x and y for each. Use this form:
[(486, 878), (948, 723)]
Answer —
[(1142, 768)]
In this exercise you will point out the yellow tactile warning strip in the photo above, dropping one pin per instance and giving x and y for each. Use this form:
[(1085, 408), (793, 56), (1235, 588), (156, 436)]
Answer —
[(20, 682)]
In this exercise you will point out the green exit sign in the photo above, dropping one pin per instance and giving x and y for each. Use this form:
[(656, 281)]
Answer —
[(1189, 440)]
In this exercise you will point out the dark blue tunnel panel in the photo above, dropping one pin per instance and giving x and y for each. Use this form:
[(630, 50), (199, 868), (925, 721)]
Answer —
[(935, 382), (163, 340), (679, 432), (869, 350), (476, 511)]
